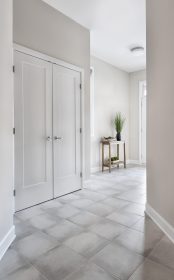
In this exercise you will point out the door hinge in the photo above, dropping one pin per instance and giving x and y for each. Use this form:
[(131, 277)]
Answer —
[(14, 130), (81, 174), (13, 69), (80, 130), (80, 86), (14, 192)]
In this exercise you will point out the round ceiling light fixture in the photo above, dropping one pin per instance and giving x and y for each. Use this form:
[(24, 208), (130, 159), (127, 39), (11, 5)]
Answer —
[(137, 50)]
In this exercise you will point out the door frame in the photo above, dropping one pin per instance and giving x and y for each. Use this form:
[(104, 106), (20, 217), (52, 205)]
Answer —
[(141, 85), (50, 59)]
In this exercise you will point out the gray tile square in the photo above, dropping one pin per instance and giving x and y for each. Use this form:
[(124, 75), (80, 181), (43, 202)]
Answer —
[(67, 211), (23, 229), (118, 261), (42, 221), (120, 187), (152, 271), (35, 245), (130, 196), (100, 209), (67, 198), (108, 191), (124, 218), (133, 197), (65, 229), (86, 243), (107, 229), (90, 271), (115, 203), (85, 219), (25, 273), (82, 203), (29, 213), (51, 205), (141, 243), (10, 262), (92, 195), (59, 263), (135, 208)]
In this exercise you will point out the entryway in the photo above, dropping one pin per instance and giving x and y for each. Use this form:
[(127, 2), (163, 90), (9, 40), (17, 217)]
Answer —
[(143, 108), (47, 121)]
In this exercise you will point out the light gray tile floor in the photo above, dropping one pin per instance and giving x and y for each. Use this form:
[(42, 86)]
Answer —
[(98, 233)]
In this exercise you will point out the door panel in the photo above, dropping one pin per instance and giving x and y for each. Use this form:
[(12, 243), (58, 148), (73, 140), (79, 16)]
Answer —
[(33, 124), (66, 130)]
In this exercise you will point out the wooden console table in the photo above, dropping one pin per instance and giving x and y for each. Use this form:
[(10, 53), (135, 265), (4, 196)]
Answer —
[(116, 163)]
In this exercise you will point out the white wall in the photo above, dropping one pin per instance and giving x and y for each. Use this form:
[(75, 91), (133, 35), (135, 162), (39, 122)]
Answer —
[(111, 94), (6, 125), (42, 28), (135, 78), (160, 127)]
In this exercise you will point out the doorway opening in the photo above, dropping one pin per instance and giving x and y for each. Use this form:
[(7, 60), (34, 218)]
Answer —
[(142, 121)]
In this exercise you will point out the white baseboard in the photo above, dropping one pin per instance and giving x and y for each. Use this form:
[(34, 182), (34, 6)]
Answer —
[(6, 242), (161, 222)]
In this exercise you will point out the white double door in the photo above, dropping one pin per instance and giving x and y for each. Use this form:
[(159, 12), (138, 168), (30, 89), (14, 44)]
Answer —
[(47, 121)]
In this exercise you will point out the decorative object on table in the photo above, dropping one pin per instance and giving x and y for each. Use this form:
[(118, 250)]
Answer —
[(108, 138), (119, 123), (113, 159)]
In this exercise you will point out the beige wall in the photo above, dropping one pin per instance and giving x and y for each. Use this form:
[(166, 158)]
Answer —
[(135, 78), (44, 29), (111, 94), (6, 125), (160, 85)]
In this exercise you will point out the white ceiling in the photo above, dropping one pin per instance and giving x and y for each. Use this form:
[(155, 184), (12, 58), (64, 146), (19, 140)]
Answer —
[(115, 26)]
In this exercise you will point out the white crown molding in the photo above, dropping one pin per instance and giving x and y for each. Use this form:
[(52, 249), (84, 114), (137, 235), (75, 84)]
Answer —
[(161, 222), (6, 242)]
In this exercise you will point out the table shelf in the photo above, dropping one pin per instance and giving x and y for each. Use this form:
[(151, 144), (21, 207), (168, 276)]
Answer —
[(116, 163)]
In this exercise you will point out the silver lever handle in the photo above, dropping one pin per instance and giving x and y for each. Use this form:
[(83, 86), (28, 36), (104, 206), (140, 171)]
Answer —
[(57, 138), (49, 138)]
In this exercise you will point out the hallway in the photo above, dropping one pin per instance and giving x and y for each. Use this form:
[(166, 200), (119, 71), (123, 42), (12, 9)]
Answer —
[(97, 233)]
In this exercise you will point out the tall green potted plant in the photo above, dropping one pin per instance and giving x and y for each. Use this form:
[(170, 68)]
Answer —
[(119, 123)]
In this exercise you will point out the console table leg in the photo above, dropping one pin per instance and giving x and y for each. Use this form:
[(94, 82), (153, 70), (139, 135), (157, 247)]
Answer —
[(109, 158), (118, 154), (124, 155), (103, 157)]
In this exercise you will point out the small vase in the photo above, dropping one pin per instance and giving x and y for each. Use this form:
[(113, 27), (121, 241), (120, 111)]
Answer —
[(118, 136)]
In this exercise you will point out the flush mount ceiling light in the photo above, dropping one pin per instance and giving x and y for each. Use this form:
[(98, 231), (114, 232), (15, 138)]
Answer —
[(137, 50)]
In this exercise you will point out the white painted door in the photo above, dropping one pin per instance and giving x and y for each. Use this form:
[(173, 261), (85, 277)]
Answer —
[(66, 130), (33, 125), (143, 125)]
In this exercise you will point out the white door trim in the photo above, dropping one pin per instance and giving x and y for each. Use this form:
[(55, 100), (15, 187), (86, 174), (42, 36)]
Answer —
[(47, 58), (53, 60), (141, 85)]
